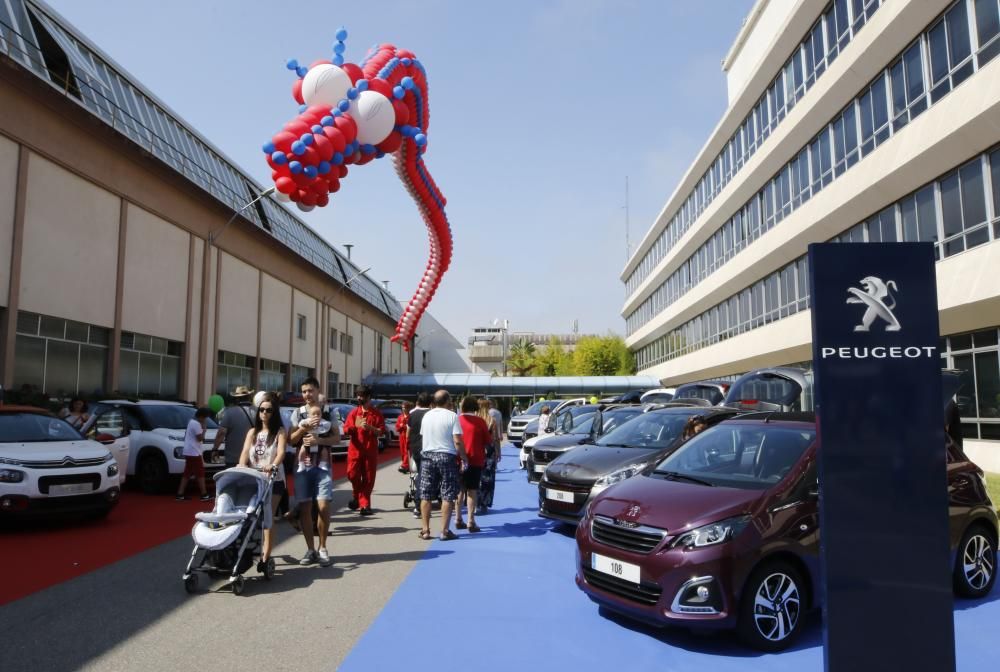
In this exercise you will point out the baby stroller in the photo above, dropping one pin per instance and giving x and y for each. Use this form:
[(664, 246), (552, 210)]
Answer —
[(229, 537), (412, 496)]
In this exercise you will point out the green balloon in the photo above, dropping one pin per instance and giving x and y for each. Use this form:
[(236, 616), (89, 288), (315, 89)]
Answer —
[(541, 398), (593, 400), (216, 403)]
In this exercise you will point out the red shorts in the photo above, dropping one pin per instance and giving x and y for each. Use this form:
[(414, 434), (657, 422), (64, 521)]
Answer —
[(194, 466)]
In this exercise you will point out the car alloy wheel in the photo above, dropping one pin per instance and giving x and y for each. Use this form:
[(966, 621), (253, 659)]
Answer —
[(975, 566), (773, 605)]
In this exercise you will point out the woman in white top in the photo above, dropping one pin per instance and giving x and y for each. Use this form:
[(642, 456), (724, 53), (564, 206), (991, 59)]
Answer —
[(264, 450), (77, 415)]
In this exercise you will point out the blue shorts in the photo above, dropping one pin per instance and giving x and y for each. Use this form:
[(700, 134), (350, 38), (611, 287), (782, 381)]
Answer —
[(439, 476), (313, 483)]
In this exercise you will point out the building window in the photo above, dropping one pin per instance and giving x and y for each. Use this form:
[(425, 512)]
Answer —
[(300, 373), (977, 356), (232, 370), (58, 356), (149, 366), (272, 375), (347, 343), (300, 327), (332, 384), (333, 339), (347, 391), (379, 349)]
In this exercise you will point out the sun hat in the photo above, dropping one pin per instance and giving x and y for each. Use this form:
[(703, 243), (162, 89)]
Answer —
[(242, 391)]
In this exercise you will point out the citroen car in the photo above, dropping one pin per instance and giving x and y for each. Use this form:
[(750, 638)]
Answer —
[(562, 415), (572, 479), (586, 429), (724, 532), (515, 428)]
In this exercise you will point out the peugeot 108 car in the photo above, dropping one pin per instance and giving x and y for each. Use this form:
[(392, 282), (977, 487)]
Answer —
[(573, 478), (586, 429), (724, 532)]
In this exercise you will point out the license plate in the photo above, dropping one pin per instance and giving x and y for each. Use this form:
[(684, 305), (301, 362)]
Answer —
[(616, 568), (70, 489), (540, 468), (558, 495)]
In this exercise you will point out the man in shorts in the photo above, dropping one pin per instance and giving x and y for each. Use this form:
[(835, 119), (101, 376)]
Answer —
[(194, 465), (414, 442), (442, 448), (314, 474)]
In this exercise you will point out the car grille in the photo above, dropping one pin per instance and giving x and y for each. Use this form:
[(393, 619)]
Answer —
[(63, 464), (645, 593), (639, 539), (545, 456), (45, 482)]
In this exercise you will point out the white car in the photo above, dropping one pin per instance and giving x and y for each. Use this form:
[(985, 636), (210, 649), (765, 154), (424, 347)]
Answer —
[(156, 430), (47, 466), (660, 395)]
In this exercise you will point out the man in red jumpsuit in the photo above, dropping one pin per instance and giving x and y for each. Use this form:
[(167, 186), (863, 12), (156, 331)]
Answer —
[(363, 426)]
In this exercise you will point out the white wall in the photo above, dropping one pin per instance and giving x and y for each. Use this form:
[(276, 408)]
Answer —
[(75, 278), (8, 190), (238, 306), (765, 24), (304, 351), (275, 300)]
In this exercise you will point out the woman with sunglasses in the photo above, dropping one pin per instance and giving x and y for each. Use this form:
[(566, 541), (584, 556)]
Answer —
[(264, 450)]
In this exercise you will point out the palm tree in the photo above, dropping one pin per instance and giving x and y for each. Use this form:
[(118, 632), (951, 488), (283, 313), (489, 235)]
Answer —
[(522, 357)]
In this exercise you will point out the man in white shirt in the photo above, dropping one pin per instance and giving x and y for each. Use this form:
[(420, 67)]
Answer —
[(194, 465), (442, 448)]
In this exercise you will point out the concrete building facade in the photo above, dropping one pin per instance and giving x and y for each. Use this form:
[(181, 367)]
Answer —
[(853, 121)]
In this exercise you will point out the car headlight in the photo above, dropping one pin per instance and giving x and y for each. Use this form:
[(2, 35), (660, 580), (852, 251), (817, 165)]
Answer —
[(619, 475), (709, 535), (11, 476), (113, 469), (179, 452), (10, 460)]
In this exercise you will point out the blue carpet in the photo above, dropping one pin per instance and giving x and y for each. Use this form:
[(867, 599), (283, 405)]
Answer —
[(505, 600)]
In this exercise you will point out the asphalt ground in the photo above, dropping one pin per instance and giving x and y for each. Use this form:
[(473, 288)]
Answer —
[(503, 599)]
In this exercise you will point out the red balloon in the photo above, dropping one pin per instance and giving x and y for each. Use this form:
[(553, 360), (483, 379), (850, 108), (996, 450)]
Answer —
[(404, 53), (301, 179), (343, 171), (309, 158), (393, 142), (323, 147), (283, 141), (335, 137), (313, 115), (320, 186), (308, 199), (296, 127), (322, 200), (346, 125), (334, 186), (353, 71), (320, 62), (285, 185), (365, 158), (381, 86), (297, 91), (294, 196)]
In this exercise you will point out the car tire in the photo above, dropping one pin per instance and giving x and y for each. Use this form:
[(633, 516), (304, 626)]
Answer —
[(975, 563), (772, 607), (152, 473)]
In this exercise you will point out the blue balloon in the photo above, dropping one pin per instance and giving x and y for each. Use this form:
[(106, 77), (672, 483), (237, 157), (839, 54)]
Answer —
[(361, 85), (268, 148), (279, 158), (352, 93), (326, 121), (298, 148), (379, 154), (336, 112), (337, 159), (406, 61), (324, 167), (398, 92), (301, 71), (317, 129), (303, 108), (339, 48), (295, 167), (407, 83), (338, 59), (341, 34), (306, 139), (310, 171), (367, 149), (420, 139), (344, 106), (292, 64)]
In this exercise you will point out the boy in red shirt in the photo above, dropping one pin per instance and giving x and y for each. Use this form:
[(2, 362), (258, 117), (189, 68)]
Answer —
[(401, 429), (476, 436)]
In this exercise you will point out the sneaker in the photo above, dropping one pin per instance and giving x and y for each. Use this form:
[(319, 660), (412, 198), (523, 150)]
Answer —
[(403, 470), (366, 511), (206, 497), (309, 558), (353, 505), (324, 557), (416, 513), (182, 498)]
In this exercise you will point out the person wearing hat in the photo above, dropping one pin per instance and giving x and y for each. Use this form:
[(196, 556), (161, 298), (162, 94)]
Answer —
[(237, 419)]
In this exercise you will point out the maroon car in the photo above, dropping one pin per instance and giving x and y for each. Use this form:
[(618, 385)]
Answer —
[(724, 533)]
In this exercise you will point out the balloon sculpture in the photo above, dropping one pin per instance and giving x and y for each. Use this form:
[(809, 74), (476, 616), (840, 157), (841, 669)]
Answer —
[(352, 114)]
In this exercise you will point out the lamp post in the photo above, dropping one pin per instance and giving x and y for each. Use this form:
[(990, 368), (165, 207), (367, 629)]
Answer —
[(503, 344)]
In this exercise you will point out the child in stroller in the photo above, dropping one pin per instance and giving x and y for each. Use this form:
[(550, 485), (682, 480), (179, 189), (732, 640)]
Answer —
[(230, 536)]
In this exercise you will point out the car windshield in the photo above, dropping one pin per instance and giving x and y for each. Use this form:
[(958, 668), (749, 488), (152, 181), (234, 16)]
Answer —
[(710, 393), (658, 398), (615, 418), (740, 455), (35, 428), (536, 408), (172, 416), (649, 430), (580, 424), (341, 410)]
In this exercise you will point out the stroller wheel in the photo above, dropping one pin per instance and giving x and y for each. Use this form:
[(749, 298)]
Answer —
[(406, 501), (191, 583), (268, 569), (238, 586)]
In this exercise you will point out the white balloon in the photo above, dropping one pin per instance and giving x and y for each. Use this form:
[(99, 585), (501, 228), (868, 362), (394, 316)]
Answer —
[(305, 208), (373, 114), (258, 398), (325, 84), (282, 197)]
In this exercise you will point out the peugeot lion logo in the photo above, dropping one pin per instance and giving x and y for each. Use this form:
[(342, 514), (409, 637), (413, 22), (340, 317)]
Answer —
[(879, 300)]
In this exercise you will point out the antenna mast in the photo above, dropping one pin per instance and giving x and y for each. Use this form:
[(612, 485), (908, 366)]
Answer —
[(628, 245)]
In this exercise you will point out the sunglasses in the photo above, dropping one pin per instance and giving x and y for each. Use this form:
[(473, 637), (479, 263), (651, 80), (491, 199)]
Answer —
[(265, 409)]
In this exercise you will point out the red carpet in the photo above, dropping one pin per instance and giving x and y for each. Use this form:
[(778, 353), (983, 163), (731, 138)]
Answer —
[(39, 558)]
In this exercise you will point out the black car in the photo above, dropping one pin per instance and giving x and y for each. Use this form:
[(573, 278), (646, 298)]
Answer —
[(713, 391), (785, 389), (589, 430), (572, 479)]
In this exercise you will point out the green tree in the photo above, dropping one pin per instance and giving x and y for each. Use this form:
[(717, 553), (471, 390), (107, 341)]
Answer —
[(521, 359), (553, 360), (603, 356)]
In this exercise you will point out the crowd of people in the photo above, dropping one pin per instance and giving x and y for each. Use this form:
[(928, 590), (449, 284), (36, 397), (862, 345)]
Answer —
[(450, 456)]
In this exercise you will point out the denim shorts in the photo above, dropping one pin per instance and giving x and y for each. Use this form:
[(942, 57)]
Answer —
[(439, 476), (313, 483)]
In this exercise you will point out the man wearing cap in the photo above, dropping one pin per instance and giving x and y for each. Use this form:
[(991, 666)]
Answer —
[(236, 421)]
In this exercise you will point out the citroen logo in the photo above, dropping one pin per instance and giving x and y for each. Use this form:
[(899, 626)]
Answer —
[(68, 461), (880, 302)]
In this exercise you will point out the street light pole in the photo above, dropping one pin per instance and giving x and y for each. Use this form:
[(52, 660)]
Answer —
[(503, 342)]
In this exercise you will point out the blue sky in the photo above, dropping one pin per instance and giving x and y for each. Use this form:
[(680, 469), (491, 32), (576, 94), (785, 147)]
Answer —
[(539, 110)]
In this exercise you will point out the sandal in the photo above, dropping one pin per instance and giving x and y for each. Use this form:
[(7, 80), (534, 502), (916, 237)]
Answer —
[(447, 535), (425, 535), (473, 527), (460, 525)]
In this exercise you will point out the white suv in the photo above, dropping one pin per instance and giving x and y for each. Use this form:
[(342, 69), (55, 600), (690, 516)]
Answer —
[(157, 435), (46, 466)]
